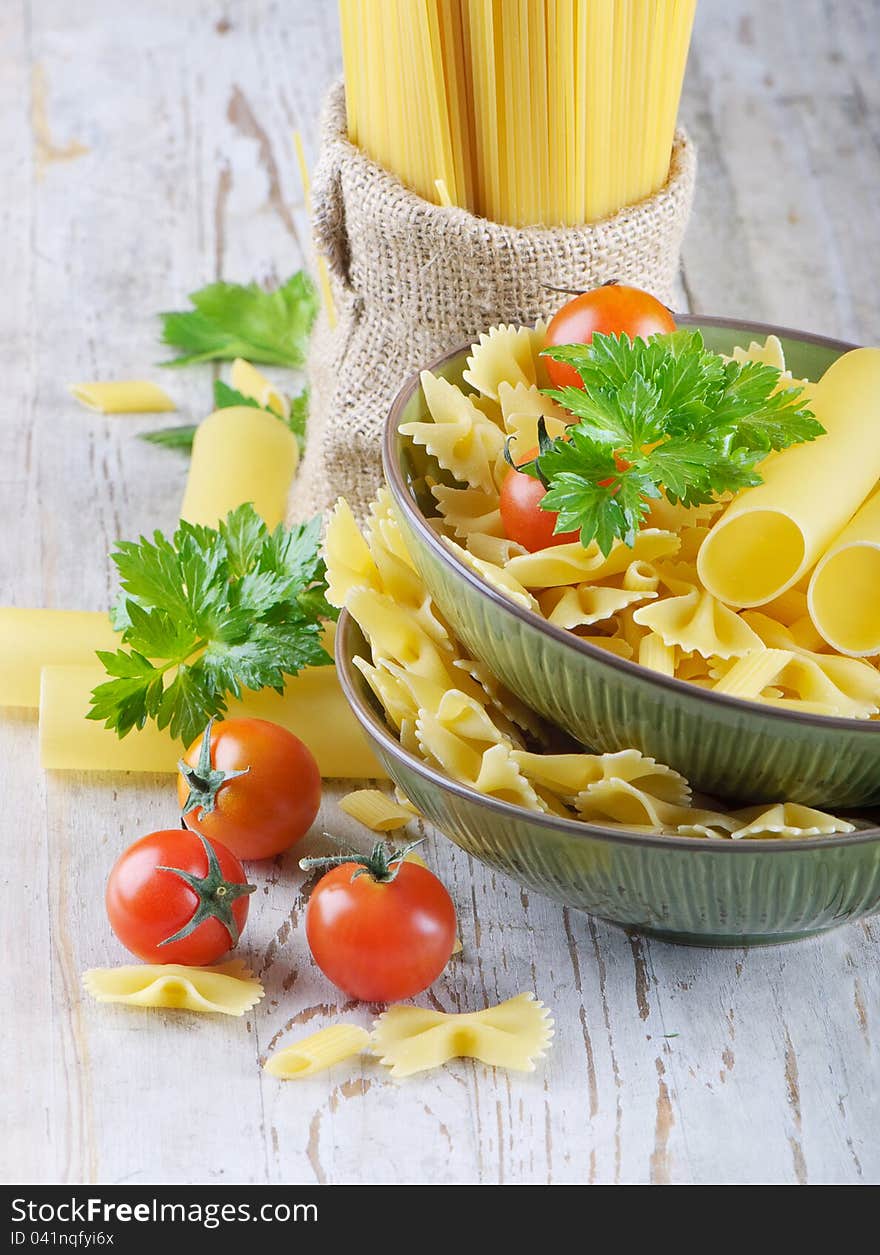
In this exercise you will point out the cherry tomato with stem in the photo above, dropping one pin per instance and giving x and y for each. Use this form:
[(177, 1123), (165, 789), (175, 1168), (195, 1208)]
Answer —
[(251, 785), (175, 897), (613, 309), (379, 927)]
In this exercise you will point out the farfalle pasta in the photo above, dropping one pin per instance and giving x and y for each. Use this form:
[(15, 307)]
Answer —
[(225, 989), (449, 710), (661, 602), (513, 1035)]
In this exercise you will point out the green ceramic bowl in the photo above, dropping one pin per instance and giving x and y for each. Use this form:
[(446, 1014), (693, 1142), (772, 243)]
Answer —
[(692, 890), (725, 746)]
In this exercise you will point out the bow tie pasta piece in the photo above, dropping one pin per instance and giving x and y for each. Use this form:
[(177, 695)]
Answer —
[(573, 564), (225, 989), (584, 604), (787, 819), (613, 644), (469, 510), (711, 824), (665, 516), (500, 578), (347, 555), (395, 699), (521, 408), (318, 1052), (501, 698), (393, 633), (375, 810), (698, 623), (627, 804), (512, 1035), (768, 354), (504, 354), (491, 771), (570, 775), (460, 436)]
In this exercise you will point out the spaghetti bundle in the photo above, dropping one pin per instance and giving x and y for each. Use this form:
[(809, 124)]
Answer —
[(553, 112)]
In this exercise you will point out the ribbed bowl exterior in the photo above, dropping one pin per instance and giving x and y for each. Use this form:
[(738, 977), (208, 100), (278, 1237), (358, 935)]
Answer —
[(698, 891), (739, 750)]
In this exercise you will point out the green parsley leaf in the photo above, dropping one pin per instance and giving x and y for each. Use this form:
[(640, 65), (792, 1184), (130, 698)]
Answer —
[(207, 613), (225, 397), (664, 415), (299, 413), (243, 320), (180, 438)]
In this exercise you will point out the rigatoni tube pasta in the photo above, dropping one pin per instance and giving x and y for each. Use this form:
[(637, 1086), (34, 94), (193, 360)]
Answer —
[(770, 536), (29, 639), (844, 592), (240, 454)]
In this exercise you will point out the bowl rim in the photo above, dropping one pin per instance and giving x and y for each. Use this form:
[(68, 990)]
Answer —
[(581, 830), (402, 498)]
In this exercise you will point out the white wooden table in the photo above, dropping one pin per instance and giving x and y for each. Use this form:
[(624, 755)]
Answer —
[(146, 149)]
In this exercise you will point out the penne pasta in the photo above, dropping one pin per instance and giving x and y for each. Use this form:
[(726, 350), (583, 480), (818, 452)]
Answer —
[(124, 396)]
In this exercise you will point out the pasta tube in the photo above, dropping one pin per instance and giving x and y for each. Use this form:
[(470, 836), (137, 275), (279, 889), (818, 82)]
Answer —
[(318, 1052), (771, 535), (252, 383), (312, 707), (29, 639), (130, 396), (844, 593), (240, 454)]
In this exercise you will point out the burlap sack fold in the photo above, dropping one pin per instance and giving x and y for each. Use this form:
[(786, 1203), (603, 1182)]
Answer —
[(412, 280)]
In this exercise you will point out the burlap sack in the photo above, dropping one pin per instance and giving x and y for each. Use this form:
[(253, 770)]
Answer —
[(412, 280)]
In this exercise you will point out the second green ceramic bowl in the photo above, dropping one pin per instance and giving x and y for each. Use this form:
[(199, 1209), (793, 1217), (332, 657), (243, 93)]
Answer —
[(725, 746), (692, 890)]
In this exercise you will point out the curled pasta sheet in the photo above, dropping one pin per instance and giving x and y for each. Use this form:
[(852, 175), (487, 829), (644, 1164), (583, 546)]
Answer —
[(583, 604), (573, 564), (469, 510), (375, 810), (698, 623), (347, 555), (462, 439), (570, 775), (318, 1052), (513, 1035), (224, 989), (493, 771), (786, 819), (501, 578), (503, 354)]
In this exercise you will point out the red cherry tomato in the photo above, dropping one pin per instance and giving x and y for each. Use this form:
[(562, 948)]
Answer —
[(257, 789), (522, 517), (613, 309), (174, 897), (380, 940)]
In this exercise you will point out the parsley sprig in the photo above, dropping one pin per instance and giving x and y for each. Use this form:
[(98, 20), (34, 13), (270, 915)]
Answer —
[(207, 613), (665, 415), (244, 320)]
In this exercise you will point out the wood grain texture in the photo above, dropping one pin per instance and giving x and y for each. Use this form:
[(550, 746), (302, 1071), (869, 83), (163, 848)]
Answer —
[(146, 150)]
